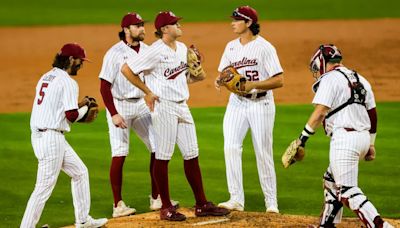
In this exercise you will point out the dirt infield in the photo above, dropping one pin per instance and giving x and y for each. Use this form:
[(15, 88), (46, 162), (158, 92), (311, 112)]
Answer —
[(235, 219), (371, 47)]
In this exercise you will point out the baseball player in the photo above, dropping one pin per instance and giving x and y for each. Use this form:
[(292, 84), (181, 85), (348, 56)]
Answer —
[(166, 92), (256, 59), (55, 108), (345, 104), (126, 109)]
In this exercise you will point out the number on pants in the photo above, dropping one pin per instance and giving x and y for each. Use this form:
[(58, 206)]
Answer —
[(41, 93), (252, 75)]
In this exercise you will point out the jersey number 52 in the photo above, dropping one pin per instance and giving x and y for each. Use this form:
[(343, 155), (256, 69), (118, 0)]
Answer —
[(41, 93), (252, 75)]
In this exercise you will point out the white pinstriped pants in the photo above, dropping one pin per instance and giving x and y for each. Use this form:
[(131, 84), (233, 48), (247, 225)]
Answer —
[(137, 117), (173, 124), (346, 149), (54, 154), (258, 115)]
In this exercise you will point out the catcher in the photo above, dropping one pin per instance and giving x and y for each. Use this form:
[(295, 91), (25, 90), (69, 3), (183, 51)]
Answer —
[(345, 104)]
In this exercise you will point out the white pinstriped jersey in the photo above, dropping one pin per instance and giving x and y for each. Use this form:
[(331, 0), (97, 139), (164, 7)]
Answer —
[(167, 69), (56, 92), (256, 60), (334, 90), (111, 70)]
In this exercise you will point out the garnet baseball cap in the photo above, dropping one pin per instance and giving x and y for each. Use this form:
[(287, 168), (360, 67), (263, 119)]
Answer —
[(165, 18), (245, 13), (74, 50), (131, 19)]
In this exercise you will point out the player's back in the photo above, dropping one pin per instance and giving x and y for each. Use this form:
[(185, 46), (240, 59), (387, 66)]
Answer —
[(56, 92), (354, 115)]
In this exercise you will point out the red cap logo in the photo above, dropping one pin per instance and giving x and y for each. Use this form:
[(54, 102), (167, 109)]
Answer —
[(74, 50), (131, 19), (165, 18), (245, 13)]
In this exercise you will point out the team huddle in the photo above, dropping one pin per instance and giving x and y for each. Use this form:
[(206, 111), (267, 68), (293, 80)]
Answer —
[(145, 89)]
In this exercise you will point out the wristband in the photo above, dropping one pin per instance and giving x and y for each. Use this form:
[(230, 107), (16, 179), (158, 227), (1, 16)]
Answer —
[(372, 139), (305, 134)]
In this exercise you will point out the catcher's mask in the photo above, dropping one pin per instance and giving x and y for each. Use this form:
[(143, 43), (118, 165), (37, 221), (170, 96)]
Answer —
[(324, 54)]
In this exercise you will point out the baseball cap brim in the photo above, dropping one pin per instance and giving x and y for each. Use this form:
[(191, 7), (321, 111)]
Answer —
[(237, 18), (87, 60)]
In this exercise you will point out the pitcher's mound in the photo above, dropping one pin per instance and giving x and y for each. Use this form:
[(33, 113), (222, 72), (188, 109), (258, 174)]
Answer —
[(235, 219)]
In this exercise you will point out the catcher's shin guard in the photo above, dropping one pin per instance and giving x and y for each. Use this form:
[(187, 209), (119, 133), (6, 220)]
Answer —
[(333, 208), (355, 199)]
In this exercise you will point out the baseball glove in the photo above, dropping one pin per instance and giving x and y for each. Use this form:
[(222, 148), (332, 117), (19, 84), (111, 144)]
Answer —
[(293, 153), (232, 80), (93, 109), (194, 60)]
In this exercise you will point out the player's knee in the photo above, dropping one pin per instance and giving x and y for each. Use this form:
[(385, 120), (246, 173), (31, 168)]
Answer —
[(352, 197), (81, 173), (191, 154), (329, 181), (232, 149)]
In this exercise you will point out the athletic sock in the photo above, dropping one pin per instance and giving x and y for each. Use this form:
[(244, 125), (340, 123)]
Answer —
[(117, 164), (154, 188), (161, 175), (193, 175)]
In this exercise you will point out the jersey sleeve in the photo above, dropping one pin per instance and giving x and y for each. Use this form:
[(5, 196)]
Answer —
[(325, 93), (145, 61), (70, 94), (224, 60), (271, 61), (110, 67)]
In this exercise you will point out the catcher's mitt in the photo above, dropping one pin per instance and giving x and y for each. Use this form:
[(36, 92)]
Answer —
[(93, 109), (293, 153), (194, 60), (232, 80)]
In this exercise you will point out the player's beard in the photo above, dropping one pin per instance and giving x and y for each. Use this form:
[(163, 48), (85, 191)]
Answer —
[(138, 38), (74, 69)]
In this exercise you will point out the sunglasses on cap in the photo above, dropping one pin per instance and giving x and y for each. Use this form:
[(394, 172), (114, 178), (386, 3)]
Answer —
[(238, 14)]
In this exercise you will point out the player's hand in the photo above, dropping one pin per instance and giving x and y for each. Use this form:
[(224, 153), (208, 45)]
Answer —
[(150, 100), (249, 85), (370, 154), (217, 83), (119, 121)]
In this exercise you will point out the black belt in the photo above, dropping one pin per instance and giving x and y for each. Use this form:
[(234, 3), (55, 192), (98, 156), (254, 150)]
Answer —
[(44, 130), (250, 95), (349, 129)]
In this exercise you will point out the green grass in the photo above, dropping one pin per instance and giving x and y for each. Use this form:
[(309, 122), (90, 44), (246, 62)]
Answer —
[(48, 12), (299, 188)]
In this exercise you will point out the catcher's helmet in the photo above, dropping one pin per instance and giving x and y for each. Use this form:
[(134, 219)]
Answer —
[(324, 54)]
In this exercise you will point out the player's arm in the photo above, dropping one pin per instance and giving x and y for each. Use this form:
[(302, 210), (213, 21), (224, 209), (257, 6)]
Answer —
[(273, 82), (105, 90), (315, 120), (75, 115), (133, 78)]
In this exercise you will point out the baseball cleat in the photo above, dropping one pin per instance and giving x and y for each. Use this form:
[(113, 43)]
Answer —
[(156, 204), (171, 214), (122, 210), (210, 209), (272, 209), (231, 205), (92, 223)]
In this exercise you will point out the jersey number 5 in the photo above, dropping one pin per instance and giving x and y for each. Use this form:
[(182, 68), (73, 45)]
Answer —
[(41, 93), (252, 75)]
